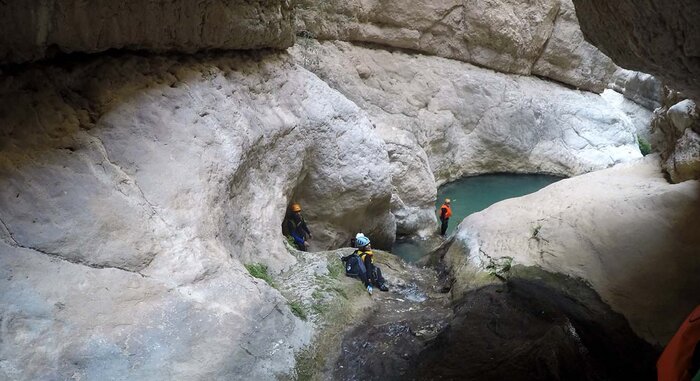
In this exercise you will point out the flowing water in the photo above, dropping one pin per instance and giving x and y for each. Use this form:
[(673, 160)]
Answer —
[(470, 195)]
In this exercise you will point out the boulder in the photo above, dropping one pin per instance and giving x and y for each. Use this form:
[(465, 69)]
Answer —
[(36, 29), (539, 37), (625, 230), (684, 162), (684, 114), (468, 121), (133, 190)]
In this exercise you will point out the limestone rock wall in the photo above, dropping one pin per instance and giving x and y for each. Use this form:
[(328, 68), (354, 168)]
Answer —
[(468, 120), (659, 37), (35, 29), (625, 230), (678, 122), (523, 37), (132, 190), (643, 89)]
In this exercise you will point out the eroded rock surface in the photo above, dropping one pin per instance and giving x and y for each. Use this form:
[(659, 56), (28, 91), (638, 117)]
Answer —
[(547, 326), (468, 121), (657, 36), (641, 88), (523, 37), (131, 191), (625, 230), (36, 29)]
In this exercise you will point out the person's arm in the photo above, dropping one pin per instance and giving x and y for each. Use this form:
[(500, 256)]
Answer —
[(370, 268), (443, 213), (306, 228), (290, 226)]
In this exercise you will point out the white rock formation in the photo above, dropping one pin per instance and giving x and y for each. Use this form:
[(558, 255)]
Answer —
[(625, 230), (132, 189), (684, 162), (468, 121), (568, 58), (684, 114), (36, 29), (638, 115), (642, 88), (678, 123), (539, 37)]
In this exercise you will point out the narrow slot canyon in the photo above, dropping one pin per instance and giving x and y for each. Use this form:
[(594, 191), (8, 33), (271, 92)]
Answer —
[(228, 190)]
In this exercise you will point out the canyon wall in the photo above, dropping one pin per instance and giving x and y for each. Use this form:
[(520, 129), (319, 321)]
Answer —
[(539, 38), (653, 36), (36, 29), (133, 190), (134, 187), (444, 119)]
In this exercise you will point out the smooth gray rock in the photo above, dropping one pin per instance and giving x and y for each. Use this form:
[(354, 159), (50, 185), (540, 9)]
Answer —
[(539, 37), (641, 88), (684, 114), (132, 190), (683, 164), (569, 59), (35, 29), (468, 121), (625, 230), (659, 37)]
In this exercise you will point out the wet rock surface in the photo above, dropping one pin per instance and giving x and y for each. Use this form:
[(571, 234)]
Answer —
[(535, 326), (539, 326), (403, 320)]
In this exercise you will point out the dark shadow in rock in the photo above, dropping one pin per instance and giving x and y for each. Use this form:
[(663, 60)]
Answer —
[(537, 326)]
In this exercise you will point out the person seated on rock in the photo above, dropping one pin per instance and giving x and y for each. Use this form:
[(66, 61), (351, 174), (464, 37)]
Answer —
[(296, 227), (353, 240), (360, 264)]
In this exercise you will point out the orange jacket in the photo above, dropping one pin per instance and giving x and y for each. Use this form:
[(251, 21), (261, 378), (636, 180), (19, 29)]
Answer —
[(676, 360), (448, 211)]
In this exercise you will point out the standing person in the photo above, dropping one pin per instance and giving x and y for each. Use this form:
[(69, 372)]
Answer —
[(296, 226), (445, 214)]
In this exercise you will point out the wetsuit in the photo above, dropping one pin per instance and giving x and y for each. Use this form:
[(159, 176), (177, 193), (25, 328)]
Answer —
[(298, 230), (445, 214), (373, 275)]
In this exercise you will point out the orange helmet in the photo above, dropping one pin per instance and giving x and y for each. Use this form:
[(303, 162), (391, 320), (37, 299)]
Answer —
[(296, 207)]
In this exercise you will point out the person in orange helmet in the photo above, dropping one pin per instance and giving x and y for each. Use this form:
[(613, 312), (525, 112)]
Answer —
[(296, 227), (445, 214)]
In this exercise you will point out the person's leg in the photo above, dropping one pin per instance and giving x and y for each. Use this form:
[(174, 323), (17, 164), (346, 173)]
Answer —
[(299, 241), (443, 227), (379, 279)]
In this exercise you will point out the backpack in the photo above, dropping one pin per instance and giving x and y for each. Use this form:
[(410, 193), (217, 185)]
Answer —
[(354, 267)]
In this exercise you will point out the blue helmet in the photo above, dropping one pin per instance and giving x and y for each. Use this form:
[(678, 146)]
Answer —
[(362, 241)]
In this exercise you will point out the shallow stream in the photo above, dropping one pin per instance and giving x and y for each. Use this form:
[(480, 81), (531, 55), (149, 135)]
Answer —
[(470, 195)]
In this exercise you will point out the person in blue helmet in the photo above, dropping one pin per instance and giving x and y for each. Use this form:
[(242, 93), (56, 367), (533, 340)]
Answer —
[(360, 264)]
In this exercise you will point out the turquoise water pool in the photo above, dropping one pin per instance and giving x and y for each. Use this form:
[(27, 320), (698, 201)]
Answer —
[(470, 195)]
